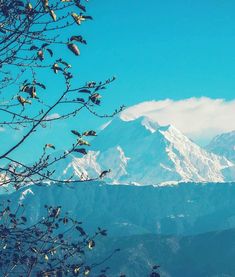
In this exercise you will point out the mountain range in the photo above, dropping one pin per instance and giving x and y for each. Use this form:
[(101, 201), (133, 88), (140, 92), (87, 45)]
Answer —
[(187, 229), (166, 201), (183, 209), (141, 152)]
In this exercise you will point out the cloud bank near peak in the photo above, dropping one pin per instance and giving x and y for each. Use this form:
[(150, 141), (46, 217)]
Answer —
[(199, 118)]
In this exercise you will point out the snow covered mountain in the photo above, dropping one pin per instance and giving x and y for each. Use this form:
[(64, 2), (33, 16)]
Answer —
[(224, 145), (141, 152)]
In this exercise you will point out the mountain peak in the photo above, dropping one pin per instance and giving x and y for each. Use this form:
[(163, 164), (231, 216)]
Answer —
[(139, 151), (169, 128), (149, 123)]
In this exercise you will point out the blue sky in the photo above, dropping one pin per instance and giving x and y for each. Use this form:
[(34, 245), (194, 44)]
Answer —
[(157, 49), (164, 49)]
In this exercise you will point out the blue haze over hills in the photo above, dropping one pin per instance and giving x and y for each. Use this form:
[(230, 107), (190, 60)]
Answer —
[(187, 227)]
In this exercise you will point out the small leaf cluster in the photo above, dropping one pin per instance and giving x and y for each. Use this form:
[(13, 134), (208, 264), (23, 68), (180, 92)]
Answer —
[(54, 246)]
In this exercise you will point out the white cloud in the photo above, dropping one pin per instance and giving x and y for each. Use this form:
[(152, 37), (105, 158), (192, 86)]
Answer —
[(52, 116), (199, 118)]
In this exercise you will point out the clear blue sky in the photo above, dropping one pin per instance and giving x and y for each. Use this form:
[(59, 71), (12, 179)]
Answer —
[(163, 49), (157, 50)]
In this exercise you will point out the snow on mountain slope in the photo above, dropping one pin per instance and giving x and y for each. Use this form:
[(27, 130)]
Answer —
[(224, 145), (141, 152)]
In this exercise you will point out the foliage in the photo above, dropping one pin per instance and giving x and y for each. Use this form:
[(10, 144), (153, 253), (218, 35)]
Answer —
[(46, 248)]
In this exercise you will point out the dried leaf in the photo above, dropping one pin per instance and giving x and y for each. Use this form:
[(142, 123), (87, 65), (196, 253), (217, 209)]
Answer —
[(83, 142), (49, 145), (49, 51), (80, 150), (91, 244), (40, 55), (78, 39), (23, 101), (73, 47), (85, 91), (52, 14), (89, 133), (78, 18), (76, 133), (56, 68), (80, 6)]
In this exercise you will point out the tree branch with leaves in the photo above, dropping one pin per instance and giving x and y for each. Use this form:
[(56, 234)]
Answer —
[(30, 33)]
